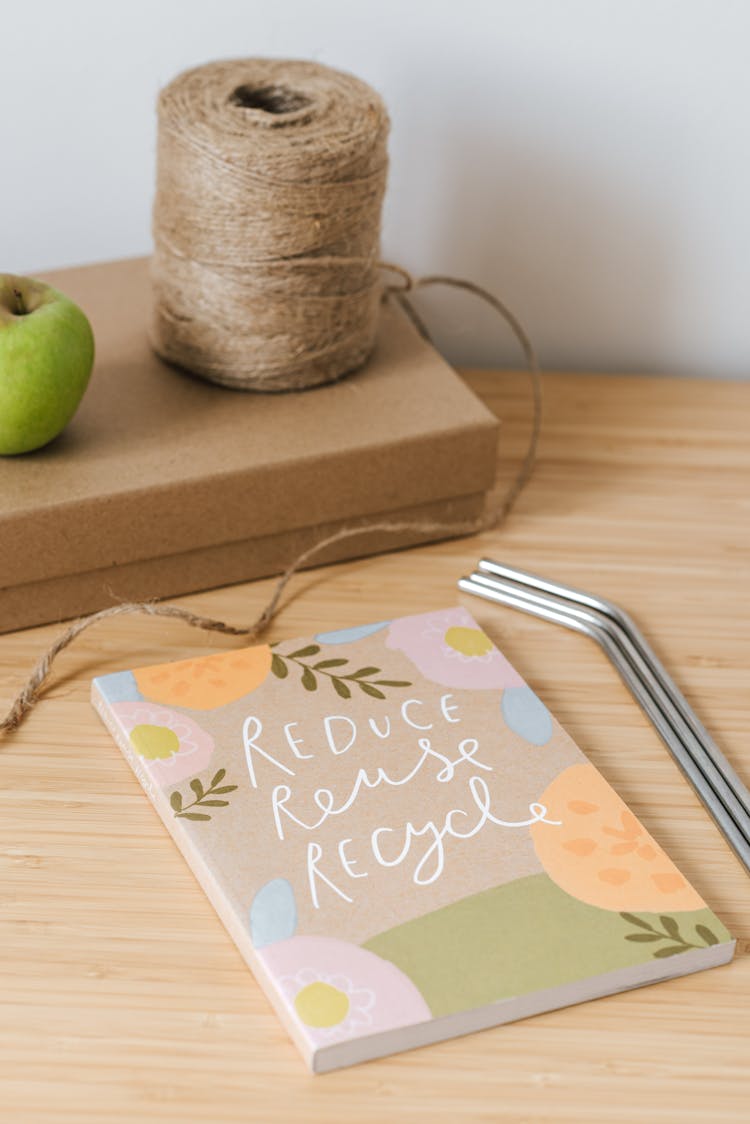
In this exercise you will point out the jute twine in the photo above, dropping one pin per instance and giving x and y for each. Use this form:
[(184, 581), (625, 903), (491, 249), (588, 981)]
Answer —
[(270, 181), (266, 226)]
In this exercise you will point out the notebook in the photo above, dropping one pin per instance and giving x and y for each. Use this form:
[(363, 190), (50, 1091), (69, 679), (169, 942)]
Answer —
[(402, 841)]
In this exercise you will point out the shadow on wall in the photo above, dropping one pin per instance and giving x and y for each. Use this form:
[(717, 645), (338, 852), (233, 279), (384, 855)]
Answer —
[(584, 264)]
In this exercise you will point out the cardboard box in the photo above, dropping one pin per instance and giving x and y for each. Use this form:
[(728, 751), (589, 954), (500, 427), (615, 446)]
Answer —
[(164, 484)]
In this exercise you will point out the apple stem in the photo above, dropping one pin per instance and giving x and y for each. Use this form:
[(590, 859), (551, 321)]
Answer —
[(21, 309)]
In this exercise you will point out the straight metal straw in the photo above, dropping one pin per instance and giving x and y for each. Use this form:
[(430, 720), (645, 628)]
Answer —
[(692, 757)]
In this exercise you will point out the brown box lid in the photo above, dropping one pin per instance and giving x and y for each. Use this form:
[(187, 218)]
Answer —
[(157, 462)]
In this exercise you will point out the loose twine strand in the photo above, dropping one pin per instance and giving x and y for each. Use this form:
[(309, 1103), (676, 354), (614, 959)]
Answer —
[(494, 515)]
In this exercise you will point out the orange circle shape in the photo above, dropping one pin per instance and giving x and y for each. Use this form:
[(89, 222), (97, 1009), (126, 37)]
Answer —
[(206, 682), (603, 855)]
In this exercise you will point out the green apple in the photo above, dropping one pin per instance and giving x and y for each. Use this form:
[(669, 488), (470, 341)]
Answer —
[(46, 356)]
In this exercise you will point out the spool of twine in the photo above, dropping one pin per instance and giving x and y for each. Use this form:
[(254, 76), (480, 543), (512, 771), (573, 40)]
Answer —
[(270, 181)]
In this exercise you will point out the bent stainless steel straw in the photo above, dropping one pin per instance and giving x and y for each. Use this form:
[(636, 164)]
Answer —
[(628, 629), (717, 785), (655, 680)]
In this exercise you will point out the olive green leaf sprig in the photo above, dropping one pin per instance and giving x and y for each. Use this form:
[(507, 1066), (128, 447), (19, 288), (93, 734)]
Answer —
[(670, 931), (203, 797), (343, 682)]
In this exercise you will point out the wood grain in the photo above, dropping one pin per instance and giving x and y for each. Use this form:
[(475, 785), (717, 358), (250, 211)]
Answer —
[(122, 998)]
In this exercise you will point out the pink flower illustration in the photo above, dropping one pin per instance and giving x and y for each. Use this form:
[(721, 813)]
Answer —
[(170, 745), (336, 990), (450, 648)]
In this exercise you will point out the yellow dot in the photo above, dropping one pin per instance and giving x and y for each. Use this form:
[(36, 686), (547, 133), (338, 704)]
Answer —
[(153, 742), (468, 641), (320, 1004)]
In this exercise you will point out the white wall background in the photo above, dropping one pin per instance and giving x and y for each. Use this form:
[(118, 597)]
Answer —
[(589, 160)]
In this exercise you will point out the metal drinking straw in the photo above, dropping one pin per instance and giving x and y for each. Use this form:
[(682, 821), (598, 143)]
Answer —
[(716, 783)]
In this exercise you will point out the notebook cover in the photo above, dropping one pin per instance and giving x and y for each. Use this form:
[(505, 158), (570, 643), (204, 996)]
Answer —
[(400, 838)]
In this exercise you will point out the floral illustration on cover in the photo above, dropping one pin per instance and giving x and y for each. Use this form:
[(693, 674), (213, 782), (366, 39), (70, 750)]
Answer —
[(668, 935), (120, 686), (194, 805), (601, 853), (171, 746), (273, 913), (338, 990), (206, 682), (448, 648), (526, 715), (346, 677), (350, 635)]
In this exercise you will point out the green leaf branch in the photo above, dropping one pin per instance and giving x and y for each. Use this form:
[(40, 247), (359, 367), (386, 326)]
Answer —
[(670, 931), (202, 797), (363, 679)]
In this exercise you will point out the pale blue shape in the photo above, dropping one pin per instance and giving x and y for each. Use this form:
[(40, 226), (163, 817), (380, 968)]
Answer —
[(119, 687), (273, 914), (526, 715), (347, 635)]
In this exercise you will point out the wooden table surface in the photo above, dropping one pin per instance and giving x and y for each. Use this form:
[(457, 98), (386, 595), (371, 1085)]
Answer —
[(122, 997)]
